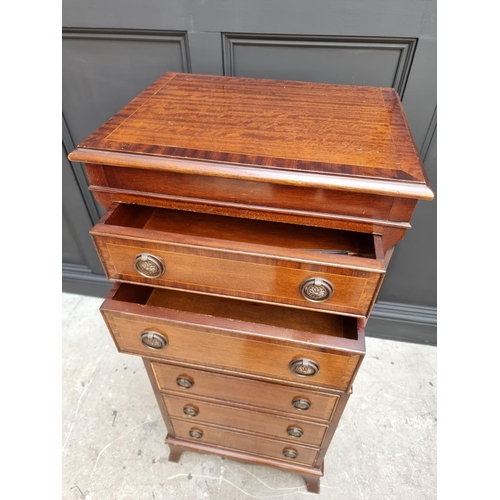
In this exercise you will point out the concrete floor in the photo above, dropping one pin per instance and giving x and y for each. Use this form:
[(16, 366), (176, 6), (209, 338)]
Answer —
[(113, 433)]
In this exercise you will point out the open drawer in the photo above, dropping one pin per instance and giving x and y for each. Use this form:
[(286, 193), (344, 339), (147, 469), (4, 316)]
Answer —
[(301, 347), (298, 266)]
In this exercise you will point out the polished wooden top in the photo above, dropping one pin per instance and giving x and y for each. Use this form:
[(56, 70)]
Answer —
[(311, 134)]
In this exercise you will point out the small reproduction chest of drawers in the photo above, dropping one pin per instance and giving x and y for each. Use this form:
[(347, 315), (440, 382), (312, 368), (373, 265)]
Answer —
[(248, 228)]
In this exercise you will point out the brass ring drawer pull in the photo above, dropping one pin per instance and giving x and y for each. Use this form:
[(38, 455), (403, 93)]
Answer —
[(196, 433), (148, 265), (154, 340), (290, 453), (316, 289), (185, 382), (192, 411), (295, 432), (304, 367), (301, 404)]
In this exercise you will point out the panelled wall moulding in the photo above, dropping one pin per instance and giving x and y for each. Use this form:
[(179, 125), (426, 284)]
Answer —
[(403, 47), (105, 34)]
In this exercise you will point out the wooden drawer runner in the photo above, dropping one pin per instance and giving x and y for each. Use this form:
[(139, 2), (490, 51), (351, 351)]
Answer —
[(242, 258), (258, 445), (197, 410), (237, 336), (254, 393)]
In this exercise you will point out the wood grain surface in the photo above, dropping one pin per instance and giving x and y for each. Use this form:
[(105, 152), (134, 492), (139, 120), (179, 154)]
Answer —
[(348, 136), (240, 259), (229, 389), (232, 342), (240, 441), (311, 475), (250, 421), (194, 344)]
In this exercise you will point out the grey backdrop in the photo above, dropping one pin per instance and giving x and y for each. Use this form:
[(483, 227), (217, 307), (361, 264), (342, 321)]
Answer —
[(113, 49)]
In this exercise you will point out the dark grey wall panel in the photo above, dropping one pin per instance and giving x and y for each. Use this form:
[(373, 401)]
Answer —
[(321, 17), (76, 222), (420, 98), (70, 251), (406, 323), (105, 69), (78, 179), (207, 56), (81, 269), (81, 280), (379, 62)]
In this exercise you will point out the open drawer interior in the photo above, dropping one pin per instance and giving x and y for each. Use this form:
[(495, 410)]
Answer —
[(281, 236), (283, 320)]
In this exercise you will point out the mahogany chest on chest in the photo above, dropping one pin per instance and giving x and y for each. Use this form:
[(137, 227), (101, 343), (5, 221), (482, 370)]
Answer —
[(248, 230)]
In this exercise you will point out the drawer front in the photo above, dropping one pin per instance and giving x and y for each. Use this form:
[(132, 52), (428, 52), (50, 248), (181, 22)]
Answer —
[(229, 389), (120, 181), (209, 347), (257, 445), (269, 280), (284, 428)]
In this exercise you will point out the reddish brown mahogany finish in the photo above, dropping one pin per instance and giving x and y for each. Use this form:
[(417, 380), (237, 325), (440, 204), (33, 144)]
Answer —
[(242, 190), (281, 130), (252, 260), (317, 154)]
